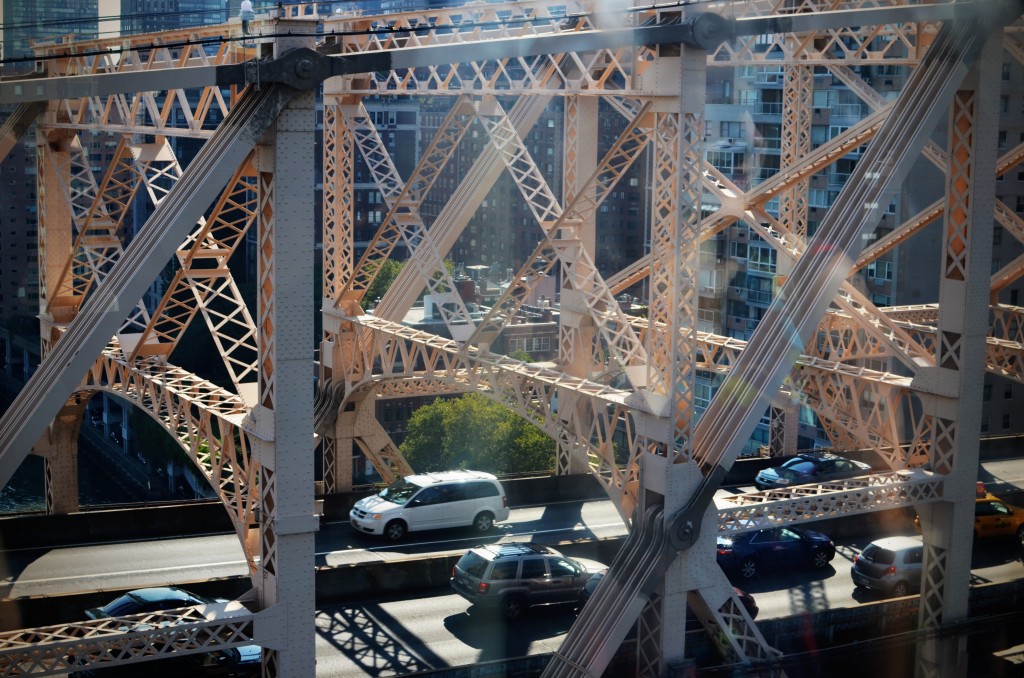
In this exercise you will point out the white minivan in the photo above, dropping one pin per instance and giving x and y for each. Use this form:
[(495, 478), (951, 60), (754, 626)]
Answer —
[(430, 501)]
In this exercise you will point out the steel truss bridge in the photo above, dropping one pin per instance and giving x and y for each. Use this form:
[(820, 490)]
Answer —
[(253, 103)]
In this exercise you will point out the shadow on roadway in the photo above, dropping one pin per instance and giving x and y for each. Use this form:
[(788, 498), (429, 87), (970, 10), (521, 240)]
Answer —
[(375, 641), (560, 518), (498, 638)]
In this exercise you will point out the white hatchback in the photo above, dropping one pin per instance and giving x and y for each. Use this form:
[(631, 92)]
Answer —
[(431, 501)]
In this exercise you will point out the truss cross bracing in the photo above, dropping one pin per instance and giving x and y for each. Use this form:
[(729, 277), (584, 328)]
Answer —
[(875, 377)]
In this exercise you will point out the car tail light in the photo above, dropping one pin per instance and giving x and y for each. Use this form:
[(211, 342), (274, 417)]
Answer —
[(856, 559), (724, 550), (504, 501), (891, 570), (484, 587), (453, 571)]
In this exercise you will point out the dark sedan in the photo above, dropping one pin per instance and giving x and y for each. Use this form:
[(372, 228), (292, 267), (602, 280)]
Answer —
[(745, 553), (153, 599), (812, 467)]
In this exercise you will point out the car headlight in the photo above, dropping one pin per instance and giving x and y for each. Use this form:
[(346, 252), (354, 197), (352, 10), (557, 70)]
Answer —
[(378, 516), (781, 481)]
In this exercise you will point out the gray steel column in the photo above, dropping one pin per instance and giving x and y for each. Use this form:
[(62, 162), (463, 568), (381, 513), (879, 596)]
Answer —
[(956, 399), (288, 522)]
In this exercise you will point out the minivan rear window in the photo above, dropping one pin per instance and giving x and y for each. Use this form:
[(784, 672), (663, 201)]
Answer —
[(472, 564)]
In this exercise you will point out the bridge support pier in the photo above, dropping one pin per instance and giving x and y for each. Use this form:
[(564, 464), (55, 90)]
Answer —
[(58, 446), (954, 396), (286, 518)]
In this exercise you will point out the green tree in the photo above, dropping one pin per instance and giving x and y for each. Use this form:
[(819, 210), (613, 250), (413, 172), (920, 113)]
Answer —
[(475, 433), (385, 276)]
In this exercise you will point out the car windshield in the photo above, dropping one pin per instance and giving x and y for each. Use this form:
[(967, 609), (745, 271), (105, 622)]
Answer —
[(794, 468), (399, 491), (123, 605)]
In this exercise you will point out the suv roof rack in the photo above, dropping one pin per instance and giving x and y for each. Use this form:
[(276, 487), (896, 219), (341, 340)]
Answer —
[(514, 549)]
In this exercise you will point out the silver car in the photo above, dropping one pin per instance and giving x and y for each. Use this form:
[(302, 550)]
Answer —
[(512, 577), (892, 565)]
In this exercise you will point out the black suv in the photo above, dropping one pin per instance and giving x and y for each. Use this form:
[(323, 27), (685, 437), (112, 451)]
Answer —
[(514, 577)]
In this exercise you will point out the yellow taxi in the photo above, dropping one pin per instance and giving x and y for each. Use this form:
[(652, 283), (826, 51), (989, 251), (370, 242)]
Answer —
[(993, 517)]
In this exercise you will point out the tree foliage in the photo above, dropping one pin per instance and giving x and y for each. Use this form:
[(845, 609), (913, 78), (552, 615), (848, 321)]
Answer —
[(473, 432), (389, 270)]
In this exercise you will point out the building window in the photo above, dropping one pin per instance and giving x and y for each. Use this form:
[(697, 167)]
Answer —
[(529, 344), (984, 424), (761, 259), (986, 393), (1008, 391), (732, 129), (1006, 421), (880, 270)]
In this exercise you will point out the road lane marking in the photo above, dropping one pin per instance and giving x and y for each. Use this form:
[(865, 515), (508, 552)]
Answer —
[(172, 568)]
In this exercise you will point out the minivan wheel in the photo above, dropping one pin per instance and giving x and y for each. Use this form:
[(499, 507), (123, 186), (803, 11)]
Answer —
[(514, 607), (394, 530), (483, 522), (820, 559), (900, 589), (748, 568)]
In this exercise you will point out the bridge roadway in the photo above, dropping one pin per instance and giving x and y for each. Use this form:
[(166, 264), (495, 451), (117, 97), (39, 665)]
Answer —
[(427, 627)]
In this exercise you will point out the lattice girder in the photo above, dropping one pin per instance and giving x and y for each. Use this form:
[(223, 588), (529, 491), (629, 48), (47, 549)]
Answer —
[(881, 329), (205, 420), (597, 299), (338, 201), (170, 112), (802, 504), (204, 284), (869, 413), (404, 208), (97, 245), (55, 650), (399, 352)]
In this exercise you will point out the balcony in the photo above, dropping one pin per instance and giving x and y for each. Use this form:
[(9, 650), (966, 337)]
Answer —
[(836, 180), (711, 259), (759, 297), (710, 290)]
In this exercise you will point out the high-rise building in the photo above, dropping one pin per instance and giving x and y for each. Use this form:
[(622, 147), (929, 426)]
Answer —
[(28, 20), (148, 16)]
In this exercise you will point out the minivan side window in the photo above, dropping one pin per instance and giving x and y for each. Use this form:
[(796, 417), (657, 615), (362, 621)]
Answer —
[(479, 490), (428, 497), (456, 492)]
